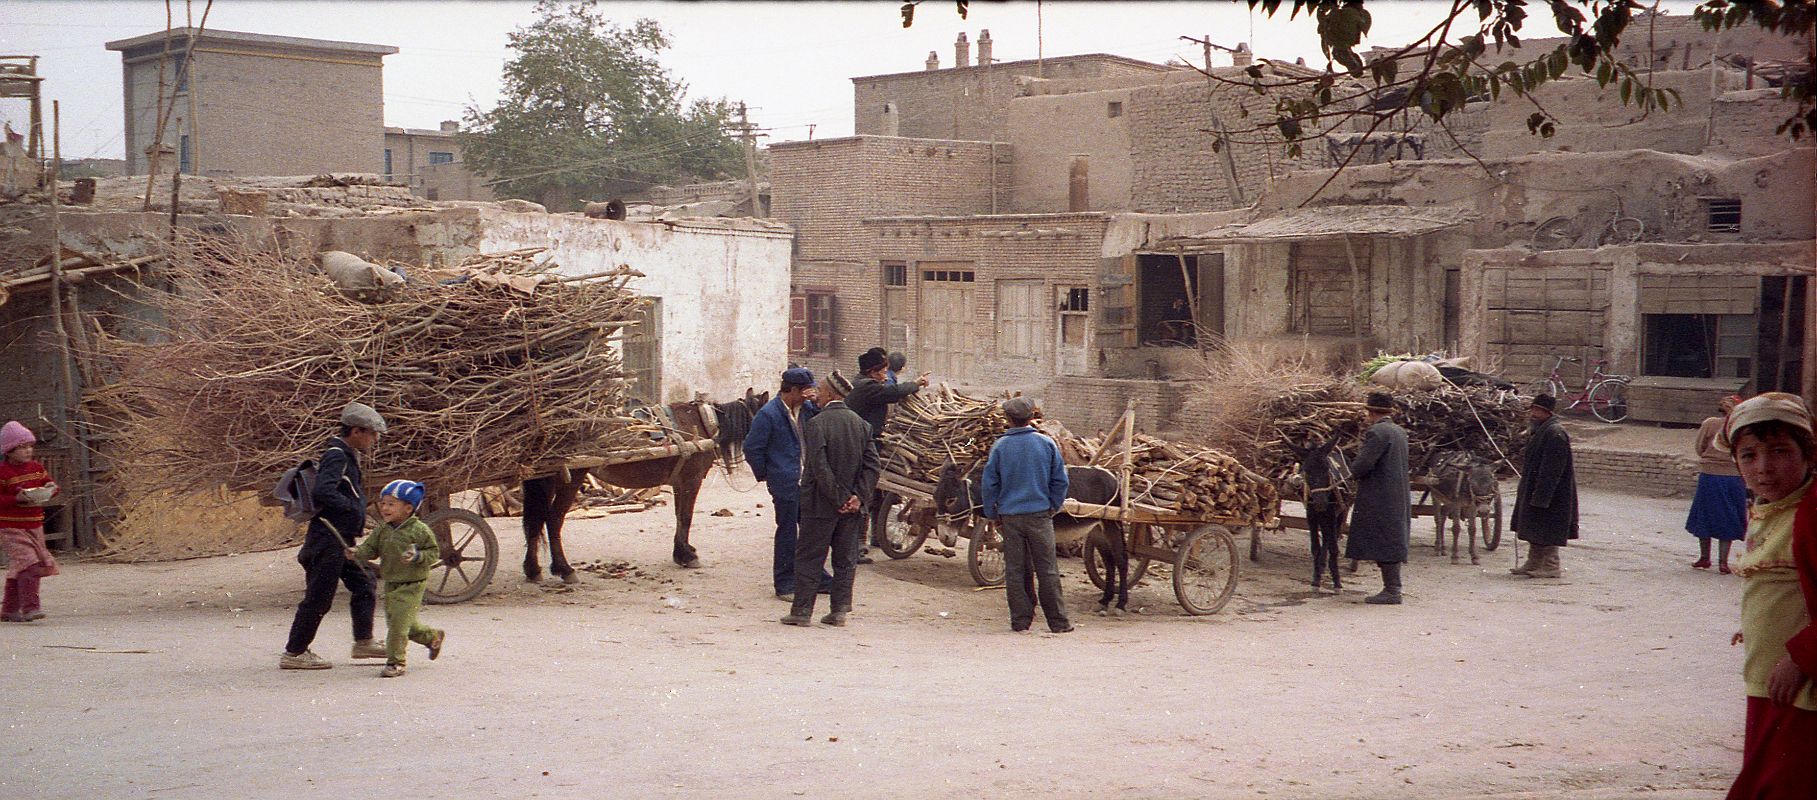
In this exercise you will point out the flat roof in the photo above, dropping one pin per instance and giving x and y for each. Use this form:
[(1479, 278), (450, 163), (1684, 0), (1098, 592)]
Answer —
[(1030, 62), (254, 39)]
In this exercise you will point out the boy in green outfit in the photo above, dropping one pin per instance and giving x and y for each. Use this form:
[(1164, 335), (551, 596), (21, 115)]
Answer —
[(406, 550)]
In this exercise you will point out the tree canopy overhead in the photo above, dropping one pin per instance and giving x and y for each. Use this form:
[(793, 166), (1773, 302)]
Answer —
[(587, 111)]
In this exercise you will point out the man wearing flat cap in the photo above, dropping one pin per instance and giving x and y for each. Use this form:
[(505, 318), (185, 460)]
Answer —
[(1380, 522), (1545, 507), (1023, 486), (839, 469), (773, 449), (340, 518)]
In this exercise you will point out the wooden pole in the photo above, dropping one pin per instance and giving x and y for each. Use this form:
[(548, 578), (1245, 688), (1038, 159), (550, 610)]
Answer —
[(1129, 438), (749, 134), (1356, 288), (70, 393)]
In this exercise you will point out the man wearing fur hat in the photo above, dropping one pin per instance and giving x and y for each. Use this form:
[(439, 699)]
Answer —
[(871, 397), (1380, 521), (1545, 507), (340, 518)]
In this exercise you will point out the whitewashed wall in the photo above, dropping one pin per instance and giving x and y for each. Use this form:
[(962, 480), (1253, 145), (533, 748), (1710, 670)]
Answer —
[(724, 286)]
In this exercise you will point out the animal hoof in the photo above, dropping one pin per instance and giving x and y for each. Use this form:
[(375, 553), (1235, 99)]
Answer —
[(694, 564), (570, 578), (1475, 561), (1454, 559), (533, 577), (1116, 612)]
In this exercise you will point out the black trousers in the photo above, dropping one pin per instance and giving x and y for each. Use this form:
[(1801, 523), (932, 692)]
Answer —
[(324, 565), (839, 534)]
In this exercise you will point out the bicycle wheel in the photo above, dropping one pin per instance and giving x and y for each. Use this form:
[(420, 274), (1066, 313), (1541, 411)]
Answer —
[(1547, 386), (1621, 230), (1609, 401), (1556, 233)]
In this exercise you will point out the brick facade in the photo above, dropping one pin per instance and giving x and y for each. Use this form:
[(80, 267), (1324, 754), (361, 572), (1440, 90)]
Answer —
[(968, 102), (1089, 405), (1173, 165)]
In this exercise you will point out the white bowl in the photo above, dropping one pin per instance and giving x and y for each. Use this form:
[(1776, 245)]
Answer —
[(38, 495)]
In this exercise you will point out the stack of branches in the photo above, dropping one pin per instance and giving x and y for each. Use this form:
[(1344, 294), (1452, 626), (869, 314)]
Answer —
[(929, 427), (1485, 422), (1256, 397), (480, 380), (1195, 481)]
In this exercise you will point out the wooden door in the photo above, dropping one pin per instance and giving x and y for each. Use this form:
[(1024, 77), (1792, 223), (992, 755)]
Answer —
[(1072, 353), (945, 329)]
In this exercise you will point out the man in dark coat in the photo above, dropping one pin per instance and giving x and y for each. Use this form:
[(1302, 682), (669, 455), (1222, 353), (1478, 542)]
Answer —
[(872, 395), (1380, 521), (773, 449), (340, 518), (839, 469), (1545, 508)]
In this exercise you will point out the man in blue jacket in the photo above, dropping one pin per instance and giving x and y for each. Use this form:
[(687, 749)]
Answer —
[(773, 449), (1024, 485)]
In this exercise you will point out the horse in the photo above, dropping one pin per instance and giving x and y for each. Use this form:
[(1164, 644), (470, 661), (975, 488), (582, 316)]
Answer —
[(958, 495), (1323, 483), (1463, 490), (548, 499)]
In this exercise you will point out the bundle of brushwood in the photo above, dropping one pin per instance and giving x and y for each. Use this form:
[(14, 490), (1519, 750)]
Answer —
[(933, 425), (1486, 422), (481, 378), (1310, 413), (1193, 481)]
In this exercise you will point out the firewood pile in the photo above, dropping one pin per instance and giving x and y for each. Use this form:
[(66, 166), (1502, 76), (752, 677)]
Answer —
[(499, 368), (933, 425), (1307, 413), (1485, 422), (1194, 481)]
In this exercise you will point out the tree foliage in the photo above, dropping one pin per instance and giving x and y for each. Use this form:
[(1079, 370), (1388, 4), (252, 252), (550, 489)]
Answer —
[(587, 110)]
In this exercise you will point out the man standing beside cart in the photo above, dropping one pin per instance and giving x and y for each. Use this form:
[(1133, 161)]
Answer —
[(839, 469), (1380, 521), (870, 398), (1024, 486), (340, 517), (1545, 506), (773, 449)]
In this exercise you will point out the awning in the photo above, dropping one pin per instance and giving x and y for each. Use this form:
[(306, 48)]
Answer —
[(1324, 222)]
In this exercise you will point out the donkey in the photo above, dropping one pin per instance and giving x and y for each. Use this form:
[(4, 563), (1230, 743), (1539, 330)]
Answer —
[(548, 499), (1323, 481), (959, 495), (1463, 490)]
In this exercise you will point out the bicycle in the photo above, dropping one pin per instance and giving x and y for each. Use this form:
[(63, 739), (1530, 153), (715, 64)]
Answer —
[(1559, 233), (1605, 395)]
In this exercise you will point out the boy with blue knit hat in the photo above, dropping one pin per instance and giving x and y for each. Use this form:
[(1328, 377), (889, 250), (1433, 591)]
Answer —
[(406, 550)]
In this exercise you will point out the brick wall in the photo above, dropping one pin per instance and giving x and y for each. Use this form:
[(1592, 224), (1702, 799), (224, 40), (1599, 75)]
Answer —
[(968, 102), (1174, 166), (1087, 405), (1657, 474)]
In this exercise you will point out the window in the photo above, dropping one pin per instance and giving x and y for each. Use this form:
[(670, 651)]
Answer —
[(1077, 299), (1020, 318), (437, 157), (811, 324), (895, 273), (1699, 345), (1722, 215), (643, 354), (387, 163), (1115, 109), (183, 153), (895, 305), (954, 276)]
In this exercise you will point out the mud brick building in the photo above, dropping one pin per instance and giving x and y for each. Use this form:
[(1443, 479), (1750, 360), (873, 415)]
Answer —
[(1066, 234)]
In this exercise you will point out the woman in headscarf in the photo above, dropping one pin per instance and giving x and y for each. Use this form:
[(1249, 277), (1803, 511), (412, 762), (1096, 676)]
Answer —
[(1719, 510), (1770, 436)]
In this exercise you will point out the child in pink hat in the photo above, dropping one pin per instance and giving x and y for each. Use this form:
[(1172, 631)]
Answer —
[(22, 524)]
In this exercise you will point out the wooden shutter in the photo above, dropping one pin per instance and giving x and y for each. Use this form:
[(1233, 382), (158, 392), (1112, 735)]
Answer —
[(798, 324)]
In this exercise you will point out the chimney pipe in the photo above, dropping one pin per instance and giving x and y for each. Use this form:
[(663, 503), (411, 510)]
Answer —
[(1078, 194), (933, 60), (962, 52), (450, 126), (984, 47), (1241, 57)]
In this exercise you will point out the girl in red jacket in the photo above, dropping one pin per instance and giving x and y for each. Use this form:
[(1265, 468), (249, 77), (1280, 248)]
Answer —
[(22, 523)]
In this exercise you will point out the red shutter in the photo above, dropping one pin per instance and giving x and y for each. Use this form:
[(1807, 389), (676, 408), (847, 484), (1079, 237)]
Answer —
[(798, 324)]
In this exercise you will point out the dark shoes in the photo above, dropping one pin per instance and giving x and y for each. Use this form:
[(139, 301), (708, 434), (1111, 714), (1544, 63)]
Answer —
[(435, 645), (1068, 629), (799, 622), (1384, 599), (835, 619)]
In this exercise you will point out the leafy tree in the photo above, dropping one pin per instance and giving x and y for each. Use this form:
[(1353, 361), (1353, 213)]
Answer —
[(588, 111)]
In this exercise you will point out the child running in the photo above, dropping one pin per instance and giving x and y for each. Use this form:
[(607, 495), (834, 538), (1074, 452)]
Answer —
[(22, 484), (406, 550)]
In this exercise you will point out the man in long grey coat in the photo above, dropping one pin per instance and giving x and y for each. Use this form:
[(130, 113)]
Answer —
[(1381, 520), (1545, 508), (839, 469)]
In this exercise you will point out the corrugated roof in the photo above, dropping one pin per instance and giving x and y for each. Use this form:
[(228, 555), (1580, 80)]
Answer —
[(1323, 221)]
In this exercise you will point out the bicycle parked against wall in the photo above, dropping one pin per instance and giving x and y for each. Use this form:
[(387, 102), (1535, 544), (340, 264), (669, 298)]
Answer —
[(1605, 396), (1589, 229)]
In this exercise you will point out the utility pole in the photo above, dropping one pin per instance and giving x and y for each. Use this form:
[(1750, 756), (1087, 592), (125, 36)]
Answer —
[(1230, 161), (748, 133)]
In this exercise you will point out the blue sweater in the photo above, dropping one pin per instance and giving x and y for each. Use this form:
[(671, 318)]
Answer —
[(773, 450), (1024, 475)]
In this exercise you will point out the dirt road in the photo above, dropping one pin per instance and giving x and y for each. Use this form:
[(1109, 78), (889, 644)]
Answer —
[(1617, 681)]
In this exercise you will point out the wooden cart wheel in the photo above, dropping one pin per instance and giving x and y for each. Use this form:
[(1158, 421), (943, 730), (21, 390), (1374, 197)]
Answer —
[(1094, 569), (905, 527), (1205, 570), (469, 556), (1492, 525), (984, 556)]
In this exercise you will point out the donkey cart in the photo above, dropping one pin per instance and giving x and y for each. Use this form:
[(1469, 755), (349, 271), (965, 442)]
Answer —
[(469, 545), (1201, 548), (912, 518)]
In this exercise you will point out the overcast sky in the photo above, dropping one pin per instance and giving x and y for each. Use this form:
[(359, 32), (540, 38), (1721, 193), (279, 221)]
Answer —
[(790, 61)]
